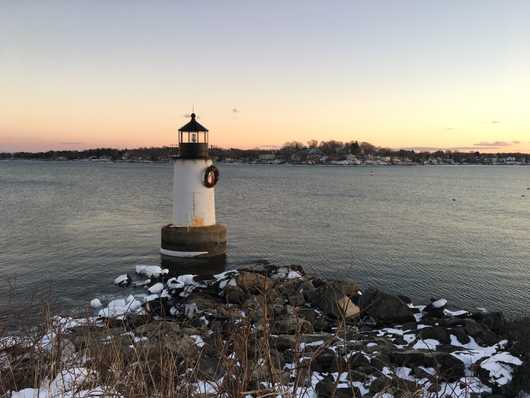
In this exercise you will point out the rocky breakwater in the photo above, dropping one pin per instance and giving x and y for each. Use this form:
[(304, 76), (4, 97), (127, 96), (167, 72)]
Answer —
[(276, 331)]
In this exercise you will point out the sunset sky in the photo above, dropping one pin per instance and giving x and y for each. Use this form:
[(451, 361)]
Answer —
[(400, 74)]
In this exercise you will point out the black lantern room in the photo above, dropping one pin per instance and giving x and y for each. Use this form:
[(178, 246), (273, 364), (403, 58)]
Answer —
[(193, 140)]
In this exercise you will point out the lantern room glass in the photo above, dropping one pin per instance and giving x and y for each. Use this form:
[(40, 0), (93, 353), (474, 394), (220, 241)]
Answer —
[(193, 137)]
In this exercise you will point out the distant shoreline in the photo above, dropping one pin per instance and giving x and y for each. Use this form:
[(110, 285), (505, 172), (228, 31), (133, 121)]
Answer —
[(362, 165)]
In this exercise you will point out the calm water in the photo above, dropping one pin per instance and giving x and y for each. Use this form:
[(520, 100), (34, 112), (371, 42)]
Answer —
[(68, 228)]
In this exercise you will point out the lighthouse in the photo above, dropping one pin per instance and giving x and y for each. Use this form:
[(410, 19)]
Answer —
[(193, 231)]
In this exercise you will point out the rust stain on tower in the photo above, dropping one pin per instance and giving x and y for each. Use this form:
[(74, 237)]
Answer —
[(197, 222)]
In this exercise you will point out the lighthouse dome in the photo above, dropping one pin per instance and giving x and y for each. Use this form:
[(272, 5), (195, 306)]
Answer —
[(193, 126), (193, 140)]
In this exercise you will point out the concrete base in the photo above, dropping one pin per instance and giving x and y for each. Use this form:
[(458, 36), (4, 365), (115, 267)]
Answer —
[(196, 265), (193, 242)]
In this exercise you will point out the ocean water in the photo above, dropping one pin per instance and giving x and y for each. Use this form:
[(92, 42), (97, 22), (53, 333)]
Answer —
[(461, 232)]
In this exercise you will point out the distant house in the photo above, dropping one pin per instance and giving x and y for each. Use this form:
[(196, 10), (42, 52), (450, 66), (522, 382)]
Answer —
[(313, 158), (297, 157), (267, 156)]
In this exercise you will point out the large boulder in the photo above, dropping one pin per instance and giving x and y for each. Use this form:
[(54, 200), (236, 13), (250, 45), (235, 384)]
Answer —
[(234, 295), (448, 367), (333, 302), (358, 360), (385, 308), (291, 325), (328, 361), (329, 388), (253, 282), (495, 321), (436, 333), (347, 286), (480, 332)]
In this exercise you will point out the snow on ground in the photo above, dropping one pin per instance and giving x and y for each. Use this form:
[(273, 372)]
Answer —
[(119, 307), (439, 303), (455, 313), (199, 342), (96, 303), (499, 368), (65, 385), (121, 280), (427, 344), (151, 270), (156, 288)]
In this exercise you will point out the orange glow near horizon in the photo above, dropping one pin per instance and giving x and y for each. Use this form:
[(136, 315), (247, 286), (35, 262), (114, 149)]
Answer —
[(450, 76)]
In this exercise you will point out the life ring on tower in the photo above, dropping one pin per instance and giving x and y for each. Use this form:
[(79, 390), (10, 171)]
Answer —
[(211, 176)]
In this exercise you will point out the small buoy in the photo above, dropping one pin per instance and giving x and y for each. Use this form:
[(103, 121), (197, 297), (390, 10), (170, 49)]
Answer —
[(454, 200)]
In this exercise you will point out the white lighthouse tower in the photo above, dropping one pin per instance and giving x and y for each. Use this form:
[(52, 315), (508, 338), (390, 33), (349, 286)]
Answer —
[(193, 231)]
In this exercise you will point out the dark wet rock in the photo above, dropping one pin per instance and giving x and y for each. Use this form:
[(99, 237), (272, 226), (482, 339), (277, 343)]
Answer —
[(437, 333), (448, 322), (291, 326), (307, 288), (320, 322), (159, 328), (358, 360), (404, 388), (209, 367), (234, 295), (435, 314), (159, 306), (296, 299), (450, 368), (254, 307), (184, 347), (309, 338), (460, 334), (420, 373), (284, 341), (411, 326), (385, 308), (291, 291), (309, 314), (495, 321), (333, 302), (480, 332), (380, 361), (411, 358), (327, 361), (405, 299), (519, 332), (205, 302), (327, 388), (382, 383)]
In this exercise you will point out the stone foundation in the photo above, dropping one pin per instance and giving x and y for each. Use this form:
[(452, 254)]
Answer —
[(193, 242)]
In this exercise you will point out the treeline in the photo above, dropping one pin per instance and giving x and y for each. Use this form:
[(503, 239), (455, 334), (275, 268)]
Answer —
[(339, 149), (290, 151), (153, 153)]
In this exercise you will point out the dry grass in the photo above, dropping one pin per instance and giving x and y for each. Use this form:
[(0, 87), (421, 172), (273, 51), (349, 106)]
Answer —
[(148, 358)]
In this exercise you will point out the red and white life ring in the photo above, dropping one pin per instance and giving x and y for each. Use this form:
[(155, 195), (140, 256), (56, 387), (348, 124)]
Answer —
[(211, 176)]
